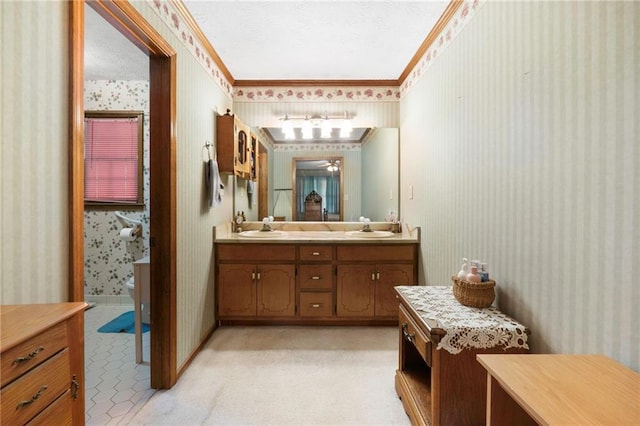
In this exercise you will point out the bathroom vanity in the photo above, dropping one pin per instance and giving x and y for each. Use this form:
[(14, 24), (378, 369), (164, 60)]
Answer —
[(312, 273)]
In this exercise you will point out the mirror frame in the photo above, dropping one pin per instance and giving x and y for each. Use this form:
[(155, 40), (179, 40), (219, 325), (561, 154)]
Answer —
[(294, 163)]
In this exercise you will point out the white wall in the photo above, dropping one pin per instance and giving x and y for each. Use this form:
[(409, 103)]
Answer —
[(522, 144)]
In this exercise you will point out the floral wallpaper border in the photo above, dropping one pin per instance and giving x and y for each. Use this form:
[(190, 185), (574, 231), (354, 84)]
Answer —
[(311, 94), (317, 147), (174, 20), (462, 17)]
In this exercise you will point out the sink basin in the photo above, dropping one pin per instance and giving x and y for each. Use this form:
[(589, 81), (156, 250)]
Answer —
[(372, 234), (261, 234)]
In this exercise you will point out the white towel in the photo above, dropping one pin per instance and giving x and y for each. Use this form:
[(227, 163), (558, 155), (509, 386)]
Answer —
[(214, 183), (250, 190)]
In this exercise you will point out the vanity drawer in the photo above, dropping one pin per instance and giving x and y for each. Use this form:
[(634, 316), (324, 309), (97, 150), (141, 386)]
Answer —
[(34, 351), (376, 253), (316, 277), (316, 304), (411, 333), (256, 252), (35, 390), (316, 253)]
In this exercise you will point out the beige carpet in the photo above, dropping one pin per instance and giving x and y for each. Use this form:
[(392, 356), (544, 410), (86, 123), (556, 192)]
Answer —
[(286, 376)]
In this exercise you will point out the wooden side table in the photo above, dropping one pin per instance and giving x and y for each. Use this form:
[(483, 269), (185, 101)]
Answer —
[(560, 389)]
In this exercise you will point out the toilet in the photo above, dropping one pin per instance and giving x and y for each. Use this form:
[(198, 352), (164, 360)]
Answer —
[(146, 306)]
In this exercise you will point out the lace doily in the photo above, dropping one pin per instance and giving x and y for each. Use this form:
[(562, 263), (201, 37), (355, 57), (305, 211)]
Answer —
[(466, 327)]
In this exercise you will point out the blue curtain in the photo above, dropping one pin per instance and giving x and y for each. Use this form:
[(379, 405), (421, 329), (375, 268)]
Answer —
[(328, 187)]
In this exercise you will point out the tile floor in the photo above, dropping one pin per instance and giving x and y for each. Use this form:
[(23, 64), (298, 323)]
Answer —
[(115, 386)]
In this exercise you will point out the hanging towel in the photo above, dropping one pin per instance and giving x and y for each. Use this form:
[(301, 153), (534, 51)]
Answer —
[(251, 186), (214, 183)]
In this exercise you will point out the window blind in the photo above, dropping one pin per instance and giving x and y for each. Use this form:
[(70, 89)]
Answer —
[(111, 159)]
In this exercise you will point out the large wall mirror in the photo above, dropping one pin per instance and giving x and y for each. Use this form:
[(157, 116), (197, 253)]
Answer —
[(317, 189), (369, 180)]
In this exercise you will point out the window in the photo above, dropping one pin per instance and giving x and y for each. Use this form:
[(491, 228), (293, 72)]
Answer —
[(113, 157)]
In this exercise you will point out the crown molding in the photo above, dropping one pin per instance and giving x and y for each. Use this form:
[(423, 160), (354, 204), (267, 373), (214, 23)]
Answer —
[(437, 29), (195, 28), (314, 83)]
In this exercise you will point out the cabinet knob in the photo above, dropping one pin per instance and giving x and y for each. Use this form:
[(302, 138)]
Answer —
[(315, 253), (373, 276), (315, 277), (407, 336), (315, 305)]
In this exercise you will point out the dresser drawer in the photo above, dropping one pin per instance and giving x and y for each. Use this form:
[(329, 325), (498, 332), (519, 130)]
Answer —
[(316, 277), (60, 413), (31, 353), (411, 333), (24, 398), (316, 253), (316, 304)]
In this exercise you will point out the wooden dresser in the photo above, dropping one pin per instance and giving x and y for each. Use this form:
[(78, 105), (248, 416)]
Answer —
[(560, 390), (42, 364), (439, 379)]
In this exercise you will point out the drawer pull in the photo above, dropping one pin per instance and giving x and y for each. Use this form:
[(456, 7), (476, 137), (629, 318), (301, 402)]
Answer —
[(407, 336), (315, 253), (316, 305), (75, 386), (315, 277), (29, 357), (33, 398)]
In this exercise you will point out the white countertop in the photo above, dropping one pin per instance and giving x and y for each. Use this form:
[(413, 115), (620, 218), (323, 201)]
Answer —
[(318, 232)]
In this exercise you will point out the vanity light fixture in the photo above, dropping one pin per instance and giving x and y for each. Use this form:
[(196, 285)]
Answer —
[(287, 127), (326, 125), (345, 127), (325, 130), (307, 129)]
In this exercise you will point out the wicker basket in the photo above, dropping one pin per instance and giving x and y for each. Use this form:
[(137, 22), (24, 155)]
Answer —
[(476, 295)]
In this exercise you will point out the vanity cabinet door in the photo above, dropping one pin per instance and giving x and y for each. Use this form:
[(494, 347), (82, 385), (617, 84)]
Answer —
[(367, 290), (387, 277), (355, 290), (236, 290), (276, 290)]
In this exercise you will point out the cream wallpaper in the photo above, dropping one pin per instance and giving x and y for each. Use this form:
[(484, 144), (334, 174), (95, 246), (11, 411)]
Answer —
[(108, 259), (33, 152), (200, 94), (521, 143)]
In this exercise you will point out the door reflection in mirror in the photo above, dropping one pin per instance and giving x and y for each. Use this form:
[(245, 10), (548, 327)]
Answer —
[(317, 188)]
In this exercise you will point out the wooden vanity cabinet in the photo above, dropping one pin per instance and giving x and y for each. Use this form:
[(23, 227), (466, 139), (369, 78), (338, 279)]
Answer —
[(263, 289), (366, 288), (42, 364), (312, 283)]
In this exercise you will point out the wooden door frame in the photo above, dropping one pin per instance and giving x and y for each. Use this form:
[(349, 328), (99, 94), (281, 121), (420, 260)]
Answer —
[(162, 71)]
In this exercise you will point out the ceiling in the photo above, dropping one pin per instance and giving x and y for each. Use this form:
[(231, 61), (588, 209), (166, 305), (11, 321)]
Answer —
[(285, 40), (316, 40)]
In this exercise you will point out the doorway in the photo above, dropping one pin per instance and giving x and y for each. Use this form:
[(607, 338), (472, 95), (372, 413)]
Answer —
[(162, 194)]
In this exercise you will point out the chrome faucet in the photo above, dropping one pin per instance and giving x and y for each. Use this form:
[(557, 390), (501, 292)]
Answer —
[(367, 226), (265, 224)]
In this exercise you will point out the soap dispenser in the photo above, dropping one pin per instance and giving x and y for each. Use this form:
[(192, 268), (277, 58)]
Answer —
[(464, 269), (473, 276)]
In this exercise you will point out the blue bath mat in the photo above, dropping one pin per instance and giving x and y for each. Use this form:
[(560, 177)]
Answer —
[(122, 324)]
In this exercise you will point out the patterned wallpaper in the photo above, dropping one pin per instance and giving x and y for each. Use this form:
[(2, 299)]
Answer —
[(108, 259), (522, 148)]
